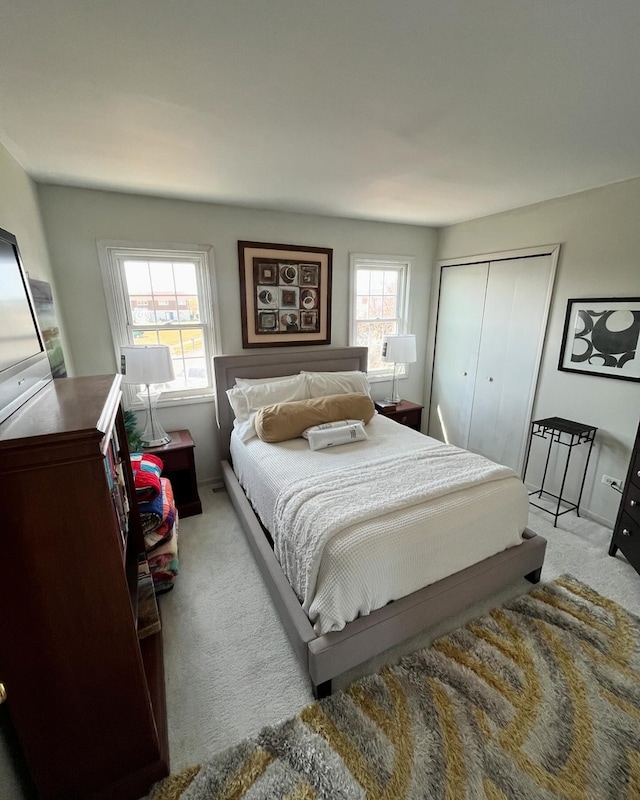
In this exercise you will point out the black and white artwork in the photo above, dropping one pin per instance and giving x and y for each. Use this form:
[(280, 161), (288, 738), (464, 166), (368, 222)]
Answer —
[(602, 337)]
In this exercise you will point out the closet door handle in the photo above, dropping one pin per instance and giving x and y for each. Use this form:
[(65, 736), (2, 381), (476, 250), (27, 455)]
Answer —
[(633, 503), (490, 380), (464, 375)]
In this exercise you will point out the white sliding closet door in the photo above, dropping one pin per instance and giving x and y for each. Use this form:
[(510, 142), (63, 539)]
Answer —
[(514, 316), (486, 364), (460, 312)]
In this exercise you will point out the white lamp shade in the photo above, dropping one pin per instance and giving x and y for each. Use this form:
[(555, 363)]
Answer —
[(146, 364), (400, 349)]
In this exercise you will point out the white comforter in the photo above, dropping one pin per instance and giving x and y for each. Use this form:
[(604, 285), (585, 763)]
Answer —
[(382, 553), (308, 513)]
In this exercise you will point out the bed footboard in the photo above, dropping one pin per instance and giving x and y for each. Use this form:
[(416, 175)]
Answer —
[(331, 654)]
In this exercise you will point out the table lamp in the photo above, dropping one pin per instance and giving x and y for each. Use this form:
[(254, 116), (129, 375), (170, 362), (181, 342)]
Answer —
[(399, 349), (149, 365)]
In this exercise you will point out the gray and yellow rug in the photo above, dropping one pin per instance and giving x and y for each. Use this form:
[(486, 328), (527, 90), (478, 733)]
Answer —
[(539, 699)]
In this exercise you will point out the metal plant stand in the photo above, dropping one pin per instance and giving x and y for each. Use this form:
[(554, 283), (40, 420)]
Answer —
[(569, 434)]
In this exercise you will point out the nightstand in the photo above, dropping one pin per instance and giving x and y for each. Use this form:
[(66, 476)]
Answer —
[(405, 412), (180, 469)]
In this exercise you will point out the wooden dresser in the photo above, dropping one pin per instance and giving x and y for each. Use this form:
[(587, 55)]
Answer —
[(626, 534), (85, 695)]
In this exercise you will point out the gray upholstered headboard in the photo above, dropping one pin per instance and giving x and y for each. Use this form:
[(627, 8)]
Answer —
[(272, 365)]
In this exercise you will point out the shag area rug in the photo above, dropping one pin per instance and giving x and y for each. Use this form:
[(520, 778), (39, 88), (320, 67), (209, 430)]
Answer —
[(539, 699)]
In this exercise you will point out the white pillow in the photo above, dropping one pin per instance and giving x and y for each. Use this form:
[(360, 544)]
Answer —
[(322, 384), (331, 434), (244, 382), (246, 430), (245, 401), (239, 404), (278, 391)]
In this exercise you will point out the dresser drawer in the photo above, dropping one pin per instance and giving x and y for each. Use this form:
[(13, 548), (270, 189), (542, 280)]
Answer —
[(631, 502), (409, 418), (627, 539), (176, 459), (635, 470)]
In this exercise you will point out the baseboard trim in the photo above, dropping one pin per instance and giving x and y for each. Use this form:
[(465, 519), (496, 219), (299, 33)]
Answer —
[(584, 512), (606, 523), (213, 483)]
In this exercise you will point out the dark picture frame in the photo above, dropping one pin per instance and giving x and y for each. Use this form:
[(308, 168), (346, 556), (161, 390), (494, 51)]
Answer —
[(602, 337), (48, 322), (285, 294)]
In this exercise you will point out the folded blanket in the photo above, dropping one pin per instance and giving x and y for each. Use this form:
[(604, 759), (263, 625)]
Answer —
[(166, 550), (160, 563), (151, 515), (164, 563), (309, 512), (146, 475), (157, 535), (147, 485), (153, 512), (155, 538), (166, 573), (163, 586), (146, 462)]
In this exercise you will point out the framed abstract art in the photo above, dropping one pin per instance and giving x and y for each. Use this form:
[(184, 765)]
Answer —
[(285, 294), (602, 337)]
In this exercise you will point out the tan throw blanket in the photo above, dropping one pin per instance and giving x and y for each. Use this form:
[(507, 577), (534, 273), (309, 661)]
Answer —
[(309, 511)]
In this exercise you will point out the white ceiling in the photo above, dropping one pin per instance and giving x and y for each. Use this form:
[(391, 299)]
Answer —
[(418, 111)]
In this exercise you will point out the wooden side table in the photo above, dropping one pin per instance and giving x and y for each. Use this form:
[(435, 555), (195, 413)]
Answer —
[(405, 412), (180, 469)]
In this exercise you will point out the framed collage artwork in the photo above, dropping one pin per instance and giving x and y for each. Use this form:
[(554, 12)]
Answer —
[(285, 294)]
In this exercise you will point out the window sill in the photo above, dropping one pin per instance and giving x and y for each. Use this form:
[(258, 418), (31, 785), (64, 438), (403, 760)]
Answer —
[(172, 402), (385, 378)]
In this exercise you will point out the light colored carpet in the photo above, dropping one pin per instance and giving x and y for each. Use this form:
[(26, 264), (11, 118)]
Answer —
[(529, 702), (229, 667)]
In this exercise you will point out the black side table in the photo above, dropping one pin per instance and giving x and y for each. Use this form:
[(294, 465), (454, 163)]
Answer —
[(567, 433)]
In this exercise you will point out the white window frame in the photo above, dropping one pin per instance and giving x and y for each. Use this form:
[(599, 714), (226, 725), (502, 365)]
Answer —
[(368, 261), (112, 255)]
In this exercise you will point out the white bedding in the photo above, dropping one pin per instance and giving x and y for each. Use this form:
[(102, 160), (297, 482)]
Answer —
[(381, 559)]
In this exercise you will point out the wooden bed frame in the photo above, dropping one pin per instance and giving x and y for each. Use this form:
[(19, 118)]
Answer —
[(331, 654)]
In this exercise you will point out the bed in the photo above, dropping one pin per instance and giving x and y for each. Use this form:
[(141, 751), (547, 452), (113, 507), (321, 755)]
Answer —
[(328, 652)]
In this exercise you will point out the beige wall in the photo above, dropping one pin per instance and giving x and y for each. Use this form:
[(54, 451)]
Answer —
[(600, 257), (597, 230), (20, 215), (75, 219), (599, 246)]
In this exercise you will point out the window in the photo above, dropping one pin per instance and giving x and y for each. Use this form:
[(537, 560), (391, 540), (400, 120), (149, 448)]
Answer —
[(379, 305), (163, 296)]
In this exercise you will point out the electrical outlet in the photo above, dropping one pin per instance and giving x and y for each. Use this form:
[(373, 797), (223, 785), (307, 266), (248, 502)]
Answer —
[(610, 481)]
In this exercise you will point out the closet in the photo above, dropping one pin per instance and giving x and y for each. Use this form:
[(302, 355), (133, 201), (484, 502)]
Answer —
[(492, 316)]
